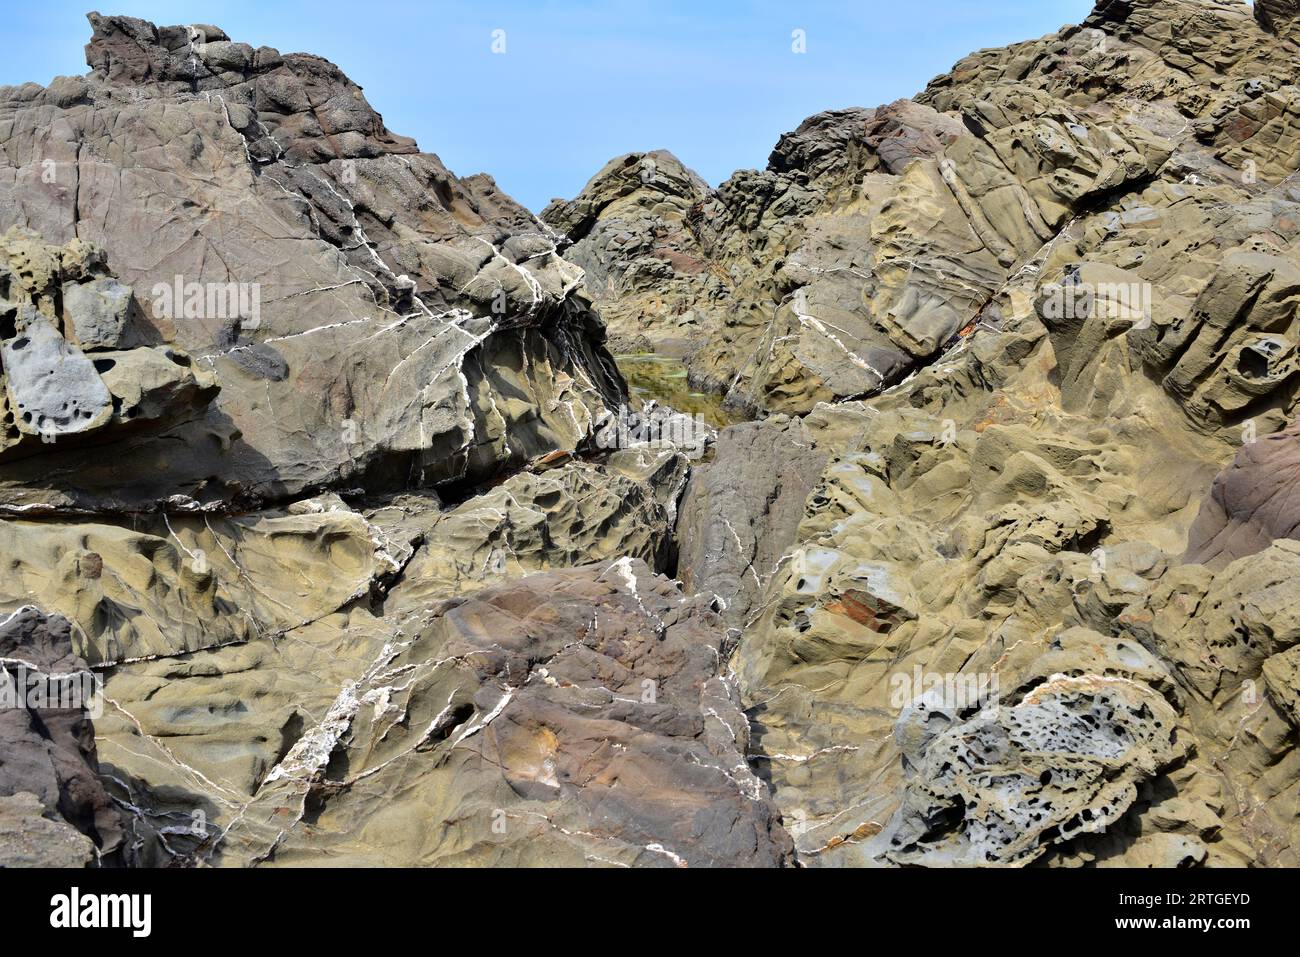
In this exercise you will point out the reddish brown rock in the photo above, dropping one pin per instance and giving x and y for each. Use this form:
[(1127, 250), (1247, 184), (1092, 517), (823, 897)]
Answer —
[(1253, 502), (47, 736)]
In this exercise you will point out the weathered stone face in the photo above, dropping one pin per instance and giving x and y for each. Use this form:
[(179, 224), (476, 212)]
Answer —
[(63, 387), (341, 504), (53, 388), (54, 809), (1277, 16), (568, 718), (1054, 297), (1065, 761), (369, 317), (282, 300), (98, 312)]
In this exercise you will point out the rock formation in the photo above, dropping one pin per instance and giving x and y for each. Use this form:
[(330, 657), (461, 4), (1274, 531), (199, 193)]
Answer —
[(275, 230), (1011, 579), (316, 456), (54, 809)]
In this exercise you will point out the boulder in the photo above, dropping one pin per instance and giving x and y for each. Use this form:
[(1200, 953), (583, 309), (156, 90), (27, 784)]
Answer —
[(358, 329), (53, 388), (96, 313)]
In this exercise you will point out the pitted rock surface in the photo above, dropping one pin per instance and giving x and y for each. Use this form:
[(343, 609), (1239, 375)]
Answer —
[(996, 788), (1054, 321)]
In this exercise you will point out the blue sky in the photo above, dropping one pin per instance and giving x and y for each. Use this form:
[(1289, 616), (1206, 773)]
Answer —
[(582, 81)]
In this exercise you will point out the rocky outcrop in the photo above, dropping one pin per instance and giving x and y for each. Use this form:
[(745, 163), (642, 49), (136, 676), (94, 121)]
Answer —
[(54, 809), (558, 518), (278, 619), (77, 363), (875, 238), (1277, 16), (1011, 615), (174, 585), (737, 525), (1251, 504), (633, 232), (567, 718), (385, 567), (370, 318), (573, 718), (999, 787), (278, 387)]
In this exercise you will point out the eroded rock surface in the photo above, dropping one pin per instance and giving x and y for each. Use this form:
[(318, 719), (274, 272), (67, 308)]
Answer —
[(252, 633), (378, 568), (567, 718), (1020, 615), (370, 318), (54, 808), (76, 366), (1253, 502), (278, 388)]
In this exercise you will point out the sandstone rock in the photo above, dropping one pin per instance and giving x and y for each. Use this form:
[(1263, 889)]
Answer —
[(1065, 760), (29, 840), (53, 388), (741, 510), (1002, 572), (97, 312), (1060, 287), (738, 520), (201, 733), (54, 392), (534, 522), (574, 717), (181, 583), (1277, 16), (632, 231)]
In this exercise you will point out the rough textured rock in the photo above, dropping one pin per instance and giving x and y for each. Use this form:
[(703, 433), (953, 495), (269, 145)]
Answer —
[(55, 305), (1003, 572), (632, 230), (998, 787), (737, 524), (1277, 16), (53, 388), (174, 585), (268, 657), (1252, 502), (876, 236), (369, 317), (568, 718), (559, 518), (874, 260), (28, 839), (328, 386), (98, 312), (1056, 296), (54, 809)]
